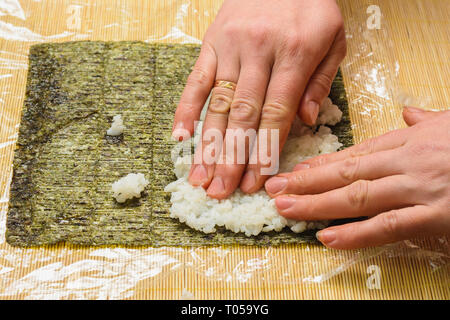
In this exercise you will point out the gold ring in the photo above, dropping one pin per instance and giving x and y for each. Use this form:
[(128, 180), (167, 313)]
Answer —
[(225, 84)]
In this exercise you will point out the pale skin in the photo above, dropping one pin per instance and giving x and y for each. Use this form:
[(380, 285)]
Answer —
[(283, 56), (400, 180)]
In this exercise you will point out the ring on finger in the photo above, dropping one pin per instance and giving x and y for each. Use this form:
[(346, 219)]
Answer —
[(222, 97), (225, 84)]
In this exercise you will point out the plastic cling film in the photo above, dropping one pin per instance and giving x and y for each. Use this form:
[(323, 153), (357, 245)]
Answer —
[(375, 88)]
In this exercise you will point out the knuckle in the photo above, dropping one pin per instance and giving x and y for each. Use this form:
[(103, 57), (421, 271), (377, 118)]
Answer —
[(230, 30), (243, 111), (339, 24), (420, 149), (220, 103), (299, 183), (349, 170), (294, 46), (258, 33), (323, 81), (198, 77), (186, 108), (389, 222), (246, 94), (357, 194), (318, 161), (364, 148), (413, 187), (336, 25), (276, 113)]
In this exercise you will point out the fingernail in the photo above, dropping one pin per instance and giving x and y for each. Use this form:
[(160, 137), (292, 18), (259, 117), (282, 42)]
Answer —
[(312, 111), (284, 203), (179, 125), (301, 166), (198, 176), (248, 181), (216, 187), (276, 184), (413, 109), (326, 236), (179, 132)]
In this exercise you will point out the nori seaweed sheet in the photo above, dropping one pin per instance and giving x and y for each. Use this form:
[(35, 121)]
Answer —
[(64, 163)]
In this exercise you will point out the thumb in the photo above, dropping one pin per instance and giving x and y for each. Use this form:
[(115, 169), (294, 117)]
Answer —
[(319, 84), (413, 115)]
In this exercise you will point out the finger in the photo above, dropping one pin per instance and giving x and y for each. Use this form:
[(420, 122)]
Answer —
[(301, 166), (216, 120), (359, 199), (319, 84), (282, 98), (243, 121), (387, 141), (387, 227), (413, 115), (213, 132), (195, 93), (335, 174)]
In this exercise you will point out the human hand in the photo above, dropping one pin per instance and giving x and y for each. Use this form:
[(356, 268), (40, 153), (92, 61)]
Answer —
[(400, 180), (283, 56)]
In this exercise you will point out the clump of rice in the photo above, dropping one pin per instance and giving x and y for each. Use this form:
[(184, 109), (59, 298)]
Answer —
[(129, 187), (117, 126), (254, 213), (329, 113)]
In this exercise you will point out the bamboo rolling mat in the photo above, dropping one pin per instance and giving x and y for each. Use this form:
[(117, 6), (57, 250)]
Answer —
[(405, 61)]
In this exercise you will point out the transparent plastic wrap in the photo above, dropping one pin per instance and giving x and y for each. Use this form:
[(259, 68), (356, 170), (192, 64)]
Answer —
[(375, 95)]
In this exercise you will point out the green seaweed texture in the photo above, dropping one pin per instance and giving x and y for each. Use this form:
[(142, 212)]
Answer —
[(64, 163)]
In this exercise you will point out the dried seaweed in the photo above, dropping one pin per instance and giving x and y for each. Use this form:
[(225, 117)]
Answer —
[(64, 163)]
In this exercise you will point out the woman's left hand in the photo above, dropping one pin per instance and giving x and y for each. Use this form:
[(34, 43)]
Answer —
[(400, 180), (272, 60)]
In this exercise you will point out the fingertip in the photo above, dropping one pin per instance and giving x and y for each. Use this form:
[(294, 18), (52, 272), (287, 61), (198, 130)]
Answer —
[(309, 112), (313, 112), (248, 181), (413, 109), (413, 115), (328, 237), (407, 116), (198, 176), (217, 189), (252, 181), (284, 202), (176, 125), (276, 185), (180, 133), (345, 237)]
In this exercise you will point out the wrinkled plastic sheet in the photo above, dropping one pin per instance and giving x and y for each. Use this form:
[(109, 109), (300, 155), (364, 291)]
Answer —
[(62, 272)]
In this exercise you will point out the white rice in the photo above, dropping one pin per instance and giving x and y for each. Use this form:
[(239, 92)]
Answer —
[(329, 113), (254, 213), (117, 126), (129, 187)]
